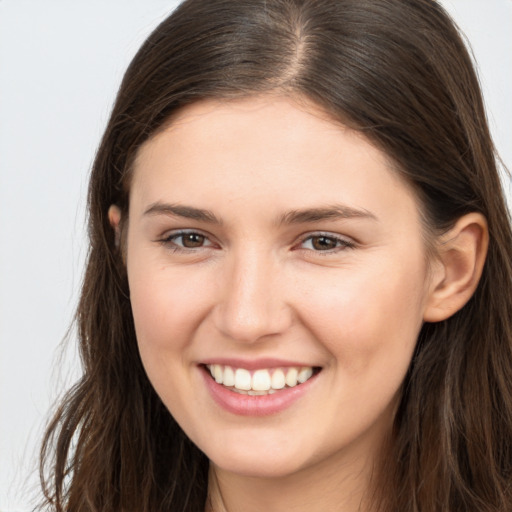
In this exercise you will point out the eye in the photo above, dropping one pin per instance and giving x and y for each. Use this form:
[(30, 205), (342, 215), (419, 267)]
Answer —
[(184, 240), (325, 243)]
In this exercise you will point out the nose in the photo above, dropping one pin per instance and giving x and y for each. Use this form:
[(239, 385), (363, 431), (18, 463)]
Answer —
[(252, 306)]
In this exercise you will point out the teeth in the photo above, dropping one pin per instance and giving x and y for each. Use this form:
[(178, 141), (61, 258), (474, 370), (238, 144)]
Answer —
[(218, 374), (229, 376), (261, 382), (278, 379), (291, 377), (304, 374), (242, 379)]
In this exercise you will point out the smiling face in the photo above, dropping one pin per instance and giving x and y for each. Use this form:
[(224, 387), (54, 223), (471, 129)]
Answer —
[(267, 246)]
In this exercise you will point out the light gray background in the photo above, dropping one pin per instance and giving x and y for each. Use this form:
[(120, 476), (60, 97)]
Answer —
[(60, 65)]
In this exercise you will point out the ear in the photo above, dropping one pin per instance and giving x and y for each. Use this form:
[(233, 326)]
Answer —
[(457, 271), (114, 217)]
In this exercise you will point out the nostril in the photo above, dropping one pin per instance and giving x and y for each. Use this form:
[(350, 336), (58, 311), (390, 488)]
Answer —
[(250, 322)]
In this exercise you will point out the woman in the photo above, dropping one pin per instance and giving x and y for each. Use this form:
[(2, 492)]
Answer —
[(291, 300)]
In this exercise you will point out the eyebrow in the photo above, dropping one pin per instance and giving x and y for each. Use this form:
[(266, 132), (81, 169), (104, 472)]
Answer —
[(334, 212), (187, 212), (302, 216)]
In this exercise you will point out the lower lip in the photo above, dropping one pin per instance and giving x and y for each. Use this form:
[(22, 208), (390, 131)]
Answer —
[(255, 405)]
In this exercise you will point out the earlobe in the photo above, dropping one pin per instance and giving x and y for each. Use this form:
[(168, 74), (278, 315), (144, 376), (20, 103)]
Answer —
[(461, 257), (114, 217)]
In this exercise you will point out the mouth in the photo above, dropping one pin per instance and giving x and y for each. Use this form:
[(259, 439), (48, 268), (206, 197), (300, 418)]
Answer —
[(260, 382)]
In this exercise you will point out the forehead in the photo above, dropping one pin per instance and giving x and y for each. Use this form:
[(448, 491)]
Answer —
[(267, 121), (275, 149)]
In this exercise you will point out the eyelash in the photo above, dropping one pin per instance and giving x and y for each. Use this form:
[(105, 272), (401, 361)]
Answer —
[(340, 243), (170, 241)]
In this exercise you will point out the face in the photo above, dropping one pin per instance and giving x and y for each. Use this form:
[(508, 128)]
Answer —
[(278, 281)]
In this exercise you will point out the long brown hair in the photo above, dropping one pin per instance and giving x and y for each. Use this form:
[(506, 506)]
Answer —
[(396, 70)]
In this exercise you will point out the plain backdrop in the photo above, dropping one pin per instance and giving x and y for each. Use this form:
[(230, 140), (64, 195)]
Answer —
[(60, 66)]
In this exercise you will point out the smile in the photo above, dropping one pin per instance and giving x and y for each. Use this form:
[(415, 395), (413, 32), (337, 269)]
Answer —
[(259, 382)]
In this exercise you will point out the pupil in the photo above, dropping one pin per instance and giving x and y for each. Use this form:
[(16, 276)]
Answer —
[(323, 243), (193, 240)]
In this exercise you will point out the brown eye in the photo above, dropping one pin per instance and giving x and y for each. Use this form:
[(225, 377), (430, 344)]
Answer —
[(323, 243), (191, 240), (184, 240), (326, 243)]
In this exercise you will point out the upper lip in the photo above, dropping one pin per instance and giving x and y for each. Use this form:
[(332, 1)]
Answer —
[(255, 364)]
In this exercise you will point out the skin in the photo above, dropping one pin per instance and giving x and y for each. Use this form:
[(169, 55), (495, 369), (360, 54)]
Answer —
[(258, 286)]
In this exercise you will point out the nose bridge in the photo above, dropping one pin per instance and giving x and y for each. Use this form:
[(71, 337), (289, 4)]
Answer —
[(252, 304)]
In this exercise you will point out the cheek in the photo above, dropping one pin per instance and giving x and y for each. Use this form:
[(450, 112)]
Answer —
[(369, 325), (369, 319), (167, 311), (167, 308)]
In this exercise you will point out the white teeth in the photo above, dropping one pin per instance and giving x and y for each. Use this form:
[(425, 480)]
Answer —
[(218, 374), (261, 382), (304, 374), (278, 379), (242, 379), (291, 377), (229, 376)]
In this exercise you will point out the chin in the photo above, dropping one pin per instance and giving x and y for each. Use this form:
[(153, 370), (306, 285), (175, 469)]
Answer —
[(258, 460), (257, 467)]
